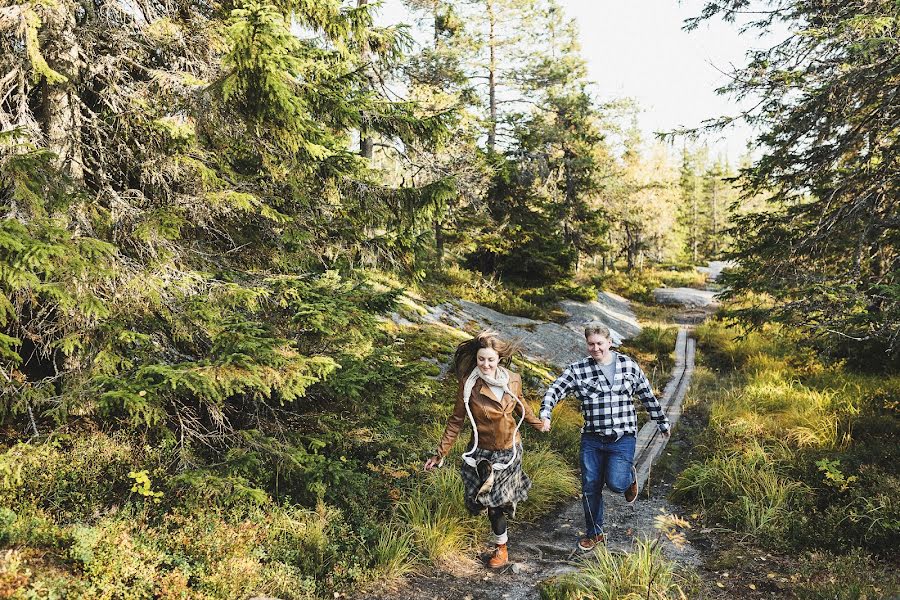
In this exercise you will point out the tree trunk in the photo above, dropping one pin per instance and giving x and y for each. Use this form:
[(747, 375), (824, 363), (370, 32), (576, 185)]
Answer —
[(492, 77), (571, 195), (439, 242), (366, 143), (62, 115), (694, 232), (629, 249), (715, 219)]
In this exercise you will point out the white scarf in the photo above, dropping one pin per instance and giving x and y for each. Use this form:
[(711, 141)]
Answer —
[(501, 380)]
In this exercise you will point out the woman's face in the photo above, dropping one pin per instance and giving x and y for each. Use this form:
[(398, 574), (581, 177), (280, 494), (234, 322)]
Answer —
[(488, 359)]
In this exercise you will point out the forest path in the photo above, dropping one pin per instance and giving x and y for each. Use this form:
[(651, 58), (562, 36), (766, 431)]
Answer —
[(547, 548)]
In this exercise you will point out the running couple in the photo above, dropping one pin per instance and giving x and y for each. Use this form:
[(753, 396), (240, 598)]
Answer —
[(490, 398)]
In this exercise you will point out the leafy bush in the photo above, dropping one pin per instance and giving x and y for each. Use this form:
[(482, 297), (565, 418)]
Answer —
[(77, 477)]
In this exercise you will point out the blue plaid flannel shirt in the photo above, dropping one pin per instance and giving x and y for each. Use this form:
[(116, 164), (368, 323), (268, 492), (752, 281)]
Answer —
[(607, 409)]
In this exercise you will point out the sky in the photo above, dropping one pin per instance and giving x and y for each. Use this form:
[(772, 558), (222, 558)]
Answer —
[(637, 49)]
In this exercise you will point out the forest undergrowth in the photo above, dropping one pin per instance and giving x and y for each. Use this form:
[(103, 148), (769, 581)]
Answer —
[(795, 467)]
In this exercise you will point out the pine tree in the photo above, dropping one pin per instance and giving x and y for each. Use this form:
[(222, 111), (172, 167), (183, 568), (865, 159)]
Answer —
[(642, 202), (691, 190), (501, 34), (549, 177), (437, 79)]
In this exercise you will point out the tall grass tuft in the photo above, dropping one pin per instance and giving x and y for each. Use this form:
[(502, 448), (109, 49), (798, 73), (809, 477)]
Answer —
[(435, 513), (637, 575), (766, 408), (392, 554), (741, 488), (565, 432), (553, 480), (798, 452)]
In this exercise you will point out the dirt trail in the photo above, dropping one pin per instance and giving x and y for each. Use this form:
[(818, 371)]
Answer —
[(547, 548)]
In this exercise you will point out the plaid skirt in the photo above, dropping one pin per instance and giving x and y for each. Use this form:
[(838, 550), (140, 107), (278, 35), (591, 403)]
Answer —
[(485, 487)]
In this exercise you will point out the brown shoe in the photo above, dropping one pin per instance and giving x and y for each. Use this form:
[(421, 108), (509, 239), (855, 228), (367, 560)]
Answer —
[(499, 558), (590, 542), (631, 492)]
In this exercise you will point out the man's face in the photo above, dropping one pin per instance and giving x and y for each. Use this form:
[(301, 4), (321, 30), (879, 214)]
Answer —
[(598, 347)]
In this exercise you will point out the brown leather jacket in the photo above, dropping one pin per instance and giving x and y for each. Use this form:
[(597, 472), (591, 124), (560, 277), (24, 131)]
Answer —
[(496, 419)]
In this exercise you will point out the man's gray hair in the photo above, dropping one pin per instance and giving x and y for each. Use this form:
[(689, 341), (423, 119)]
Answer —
[(596, 328)]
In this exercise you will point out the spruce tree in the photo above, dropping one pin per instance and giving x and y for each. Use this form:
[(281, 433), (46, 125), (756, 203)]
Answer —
[(183, 208), (826, 250)]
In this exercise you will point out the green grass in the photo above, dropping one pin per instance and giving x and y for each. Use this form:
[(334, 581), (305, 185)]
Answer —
[(796, 453), (743, 489), (553, 481), (393, 554), (639, 285), (438, 531), (654, 349), (636, 575), (565, 430)]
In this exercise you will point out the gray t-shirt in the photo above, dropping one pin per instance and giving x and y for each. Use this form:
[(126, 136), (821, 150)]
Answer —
[(609, 371)]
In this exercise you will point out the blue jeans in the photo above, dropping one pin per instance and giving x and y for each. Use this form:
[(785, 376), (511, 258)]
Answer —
[(603, 462)]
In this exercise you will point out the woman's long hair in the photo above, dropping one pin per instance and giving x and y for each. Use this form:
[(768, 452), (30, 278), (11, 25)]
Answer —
[(466, 356)]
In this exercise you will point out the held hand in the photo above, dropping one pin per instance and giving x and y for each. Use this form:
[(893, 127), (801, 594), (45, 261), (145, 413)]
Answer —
[(546, 425), (432, 462)]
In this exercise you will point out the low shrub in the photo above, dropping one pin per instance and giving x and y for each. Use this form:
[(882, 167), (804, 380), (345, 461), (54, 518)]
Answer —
[(852, 576), (563, 290), (76, 477), (458, 283)]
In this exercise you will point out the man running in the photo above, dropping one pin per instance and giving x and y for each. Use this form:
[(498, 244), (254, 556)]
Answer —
[(604, 383)]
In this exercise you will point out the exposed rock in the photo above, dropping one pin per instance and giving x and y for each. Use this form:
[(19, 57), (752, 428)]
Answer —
[(715, 268), (612, 310), (688, 297), (552, 342)]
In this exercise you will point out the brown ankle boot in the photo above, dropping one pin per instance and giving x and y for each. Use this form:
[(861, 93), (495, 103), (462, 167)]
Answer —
[(631, 492), (499, 558)]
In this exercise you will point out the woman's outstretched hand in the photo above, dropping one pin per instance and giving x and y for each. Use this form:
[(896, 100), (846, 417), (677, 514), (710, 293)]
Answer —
[(432, 462), (546, 425)]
